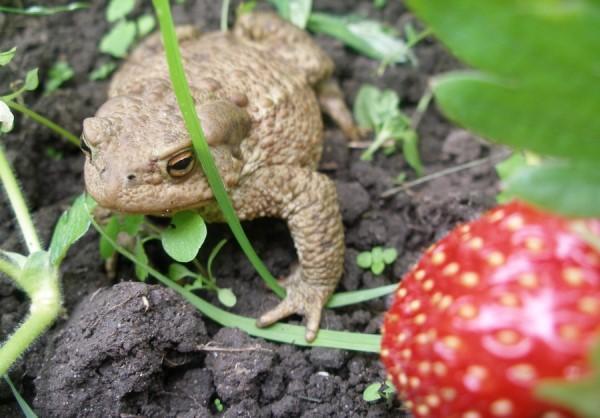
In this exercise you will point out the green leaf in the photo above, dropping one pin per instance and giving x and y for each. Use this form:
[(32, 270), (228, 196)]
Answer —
[(118, 9), (410, 150), (536, 85), (118, 40), (38, 269), (7, 56), (377, 267), (570, 188), (365, 98), (60, 72), (226, 297), (131, 224), (379, 4), (15, 258), (31, 80), (112, 229), (184, 236), (364, 259), (580, 395), (377, 254), (145, 24), (358, 296), (508, 167), (6, 118), (25, 408), (283, 8), (368, 37), (371, 392), (140, 254), (45, 11), (245, 7), (300, 12), (179, 271), (71, 226), (389, 255), (103, 71)]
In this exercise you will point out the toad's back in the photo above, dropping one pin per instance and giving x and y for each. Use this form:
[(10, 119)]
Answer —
[(286, 126)]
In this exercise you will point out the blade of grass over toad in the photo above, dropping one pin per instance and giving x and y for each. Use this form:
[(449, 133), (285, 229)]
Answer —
[(283, 333), (25, 408), (357, 296), (186, 105), (224, 15), (44, 121), (43, 10)]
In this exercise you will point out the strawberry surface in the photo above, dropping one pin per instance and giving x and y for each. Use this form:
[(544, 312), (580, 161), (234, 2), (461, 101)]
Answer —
[(496, 306)]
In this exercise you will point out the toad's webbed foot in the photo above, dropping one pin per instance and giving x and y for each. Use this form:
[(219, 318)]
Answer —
[(301, 298)]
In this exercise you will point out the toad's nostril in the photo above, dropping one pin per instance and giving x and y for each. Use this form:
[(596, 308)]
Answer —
[(131, 177)]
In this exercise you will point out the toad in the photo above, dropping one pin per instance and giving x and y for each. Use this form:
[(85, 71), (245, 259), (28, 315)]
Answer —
[(259, 91)]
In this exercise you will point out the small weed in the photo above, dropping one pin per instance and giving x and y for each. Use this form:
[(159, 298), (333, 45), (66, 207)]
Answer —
[(379, 111), (103, 71), (60, 72), (218, 405), (376, 259), (376, 391)]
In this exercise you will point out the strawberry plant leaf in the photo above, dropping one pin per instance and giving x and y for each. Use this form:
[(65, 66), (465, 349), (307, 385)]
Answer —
[(185, 235), (571, 188), (364, 259)]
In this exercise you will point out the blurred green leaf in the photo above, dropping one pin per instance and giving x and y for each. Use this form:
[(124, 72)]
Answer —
[(364, 259), (571, 188), (25, 408), (377, 267), (379, 4), (389, 255), (118, 40), (369, 37), (226, 297), (60, 72), (185, 235), (245, 7), (179, 271), (300, 12), (410, 150), (103, 71), (371, 392), (71, 226), (140, 254), (43, 10), (131, 224), (118, 9), (537, 85), (145, 25), (112, 229), (377, 254), (7, 56), (31, 80)]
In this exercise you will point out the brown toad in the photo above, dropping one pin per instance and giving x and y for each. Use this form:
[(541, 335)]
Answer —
[(258, 91)]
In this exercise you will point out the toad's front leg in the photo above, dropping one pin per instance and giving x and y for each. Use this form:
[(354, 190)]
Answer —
[(308, 201)]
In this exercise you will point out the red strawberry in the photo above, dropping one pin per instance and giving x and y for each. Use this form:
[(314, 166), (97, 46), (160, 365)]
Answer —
[(490, 310)]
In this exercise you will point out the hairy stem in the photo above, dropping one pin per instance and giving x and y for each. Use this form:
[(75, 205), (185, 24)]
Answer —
[(17, 202), (44, 121)]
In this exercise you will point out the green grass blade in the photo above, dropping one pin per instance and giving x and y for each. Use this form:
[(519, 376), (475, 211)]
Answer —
[(283, 333), (186, 105), (27, 411), (43, 10), (357, 296)]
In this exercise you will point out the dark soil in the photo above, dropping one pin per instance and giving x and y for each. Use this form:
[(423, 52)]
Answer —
[(128, 349)]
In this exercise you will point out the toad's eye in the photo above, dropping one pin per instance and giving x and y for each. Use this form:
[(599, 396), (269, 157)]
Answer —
[(181, 164), (84, 146)]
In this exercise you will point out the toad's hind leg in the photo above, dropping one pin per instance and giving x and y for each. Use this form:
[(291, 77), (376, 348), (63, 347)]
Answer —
[(331, 100), (308, 201)]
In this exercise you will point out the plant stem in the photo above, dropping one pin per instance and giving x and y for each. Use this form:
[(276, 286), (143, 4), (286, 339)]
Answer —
[(224, 15), (44, 121), (188, 111), (9, 269), (18, 204), (45, 306), (284, 333)]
